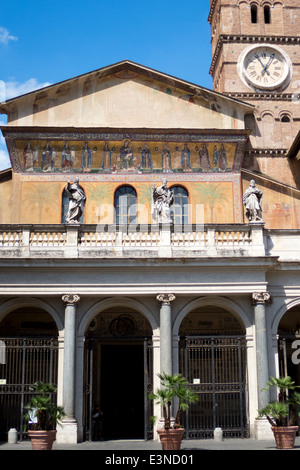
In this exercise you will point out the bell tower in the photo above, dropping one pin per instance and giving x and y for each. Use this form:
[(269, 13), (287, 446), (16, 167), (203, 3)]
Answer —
[(256, 59)]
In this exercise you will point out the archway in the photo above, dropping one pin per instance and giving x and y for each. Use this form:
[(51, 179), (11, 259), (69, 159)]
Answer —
[(289, 344), (212, 356), (29, 353), (118, 375)]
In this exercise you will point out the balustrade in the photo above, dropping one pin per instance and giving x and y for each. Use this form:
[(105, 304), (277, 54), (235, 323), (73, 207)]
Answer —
[(138, 241)]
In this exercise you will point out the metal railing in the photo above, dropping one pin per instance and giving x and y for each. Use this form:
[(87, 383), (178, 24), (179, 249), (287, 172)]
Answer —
[(24, 361)]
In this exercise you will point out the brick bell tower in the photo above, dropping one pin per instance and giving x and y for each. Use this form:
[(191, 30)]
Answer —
[(256, 59)]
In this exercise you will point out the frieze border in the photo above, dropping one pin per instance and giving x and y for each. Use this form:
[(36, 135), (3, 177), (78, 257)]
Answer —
[(194, 136), (238, 137)]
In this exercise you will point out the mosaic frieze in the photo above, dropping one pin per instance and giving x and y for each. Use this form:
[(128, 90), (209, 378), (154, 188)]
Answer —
[(125, 157)]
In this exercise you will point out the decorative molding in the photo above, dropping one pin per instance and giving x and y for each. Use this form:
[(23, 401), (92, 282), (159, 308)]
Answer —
[(71, 299), (248, 39), (266, 152), (263, 96), (165, 299), (261, 298)]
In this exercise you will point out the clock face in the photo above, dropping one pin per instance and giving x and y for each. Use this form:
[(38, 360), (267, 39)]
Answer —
[(265, 67)]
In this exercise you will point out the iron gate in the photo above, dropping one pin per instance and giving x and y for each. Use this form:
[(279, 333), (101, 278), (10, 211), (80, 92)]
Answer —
[(89, 371), (215, 368), (23, 362)]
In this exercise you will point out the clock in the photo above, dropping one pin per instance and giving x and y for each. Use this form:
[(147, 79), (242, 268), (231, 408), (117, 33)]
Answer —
[(265, 67)]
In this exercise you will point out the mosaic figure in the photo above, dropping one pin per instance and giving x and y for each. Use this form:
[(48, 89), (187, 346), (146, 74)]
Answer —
[(35, 155), (28, 158), (146, 159), (166, 159), (222, 159), (127, 160), (204, 158), (162, 199), (53, 157), (185, 158), (219, 158), (106, 158), (76, 202), (47, 158), (86, 158), (252, 202), (66, 160)]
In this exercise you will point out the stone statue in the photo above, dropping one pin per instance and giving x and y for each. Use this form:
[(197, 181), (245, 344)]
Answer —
[(76, 202), (162, 199), (252, 202)]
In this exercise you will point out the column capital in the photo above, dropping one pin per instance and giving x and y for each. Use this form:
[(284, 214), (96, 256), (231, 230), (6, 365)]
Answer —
[(260, 297), (71, 299), (165, 299)]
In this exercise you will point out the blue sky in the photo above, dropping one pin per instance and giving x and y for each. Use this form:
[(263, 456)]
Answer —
[(44, 42)]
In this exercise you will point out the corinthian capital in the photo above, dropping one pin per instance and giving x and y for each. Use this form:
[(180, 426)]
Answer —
[(71, 299), (165, 299), (261, 297)]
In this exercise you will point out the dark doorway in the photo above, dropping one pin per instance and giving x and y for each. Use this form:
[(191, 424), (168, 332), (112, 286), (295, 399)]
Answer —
[(122, 391)]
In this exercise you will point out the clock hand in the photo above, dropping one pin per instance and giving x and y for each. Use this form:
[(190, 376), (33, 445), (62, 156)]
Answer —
[(267, 66), (263, 66)]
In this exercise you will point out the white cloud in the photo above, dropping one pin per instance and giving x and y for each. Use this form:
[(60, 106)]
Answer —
[(5, 36), (8, 90), (4, 159), (12, 88)]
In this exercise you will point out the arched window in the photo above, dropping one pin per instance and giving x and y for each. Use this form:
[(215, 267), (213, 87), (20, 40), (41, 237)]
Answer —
[(125, 205), (180, 209), (285, 118), (65, 208), (267, 14), (253, 14)]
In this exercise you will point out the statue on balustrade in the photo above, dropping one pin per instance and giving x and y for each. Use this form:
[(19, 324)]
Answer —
[(252, 201), (76, 202), (162, 199)]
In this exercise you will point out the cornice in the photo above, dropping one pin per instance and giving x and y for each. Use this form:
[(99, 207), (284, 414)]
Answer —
[(248, 39), (275, 96), (211, 11), (269, 152)]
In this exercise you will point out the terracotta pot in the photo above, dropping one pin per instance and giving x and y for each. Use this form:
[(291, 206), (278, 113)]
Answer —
[(42, 440), (170, 438), (284, 436)]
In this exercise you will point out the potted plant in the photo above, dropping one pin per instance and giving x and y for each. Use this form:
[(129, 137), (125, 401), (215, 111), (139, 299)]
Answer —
[(42, 414), (173, 388), (282, 414)]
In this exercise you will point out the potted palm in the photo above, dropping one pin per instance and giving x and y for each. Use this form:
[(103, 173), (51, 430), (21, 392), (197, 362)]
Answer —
[(282, 414), (173, 388), (42, 414)]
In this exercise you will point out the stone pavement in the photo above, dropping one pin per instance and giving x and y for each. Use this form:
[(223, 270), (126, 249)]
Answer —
[(154, 446)]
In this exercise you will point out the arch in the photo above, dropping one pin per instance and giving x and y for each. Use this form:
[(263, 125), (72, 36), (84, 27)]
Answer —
[(253, 12), (105, 304), (14, 304), (267, 14), (180, 209), (285, 116), (282, 310), (125, 204), (222, 302)]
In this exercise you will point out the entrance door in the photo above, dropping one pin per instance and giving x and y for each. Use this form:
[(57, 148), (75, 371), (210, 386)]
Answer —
[(216, 370), (122, 391)]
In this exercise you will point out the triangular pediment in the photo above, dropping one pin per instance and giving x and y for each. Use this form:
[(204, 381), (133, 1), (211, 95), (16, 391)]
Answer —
[(126, 95)]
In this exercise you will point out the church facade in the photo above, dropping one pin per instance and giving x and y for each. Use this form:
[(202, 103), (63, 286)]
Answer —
[(151, 225)]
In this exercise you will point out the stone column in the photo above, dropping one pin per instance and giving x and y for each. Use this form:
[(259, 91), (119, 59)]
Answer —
[(263, 430), (166, 333), (262, 364), (68, 434)]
